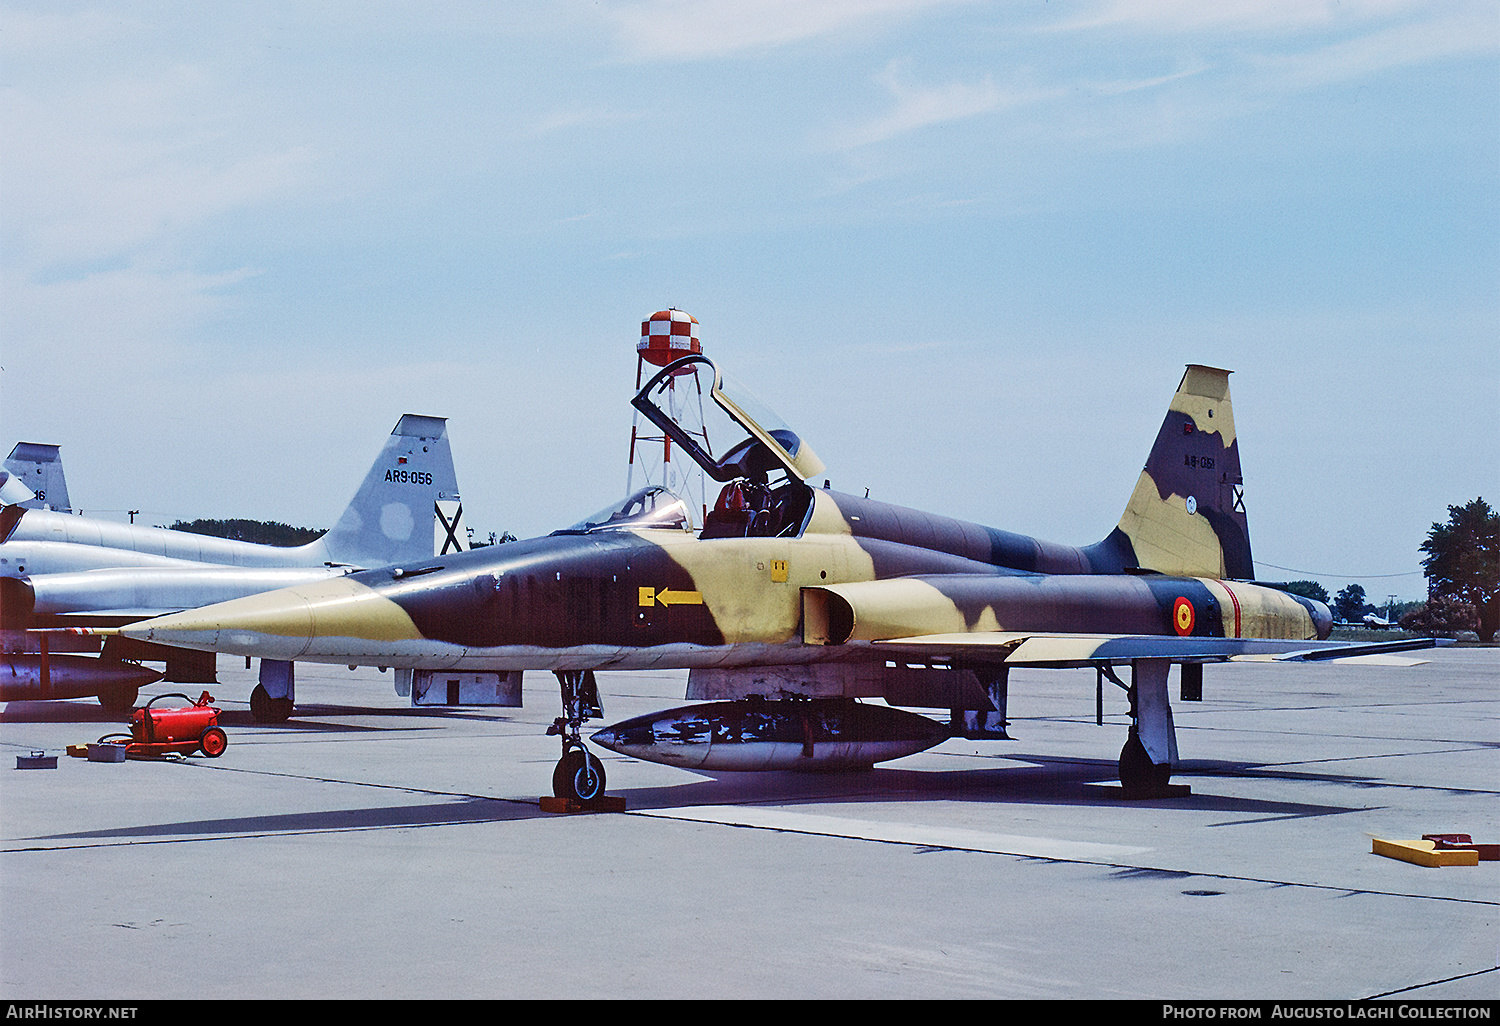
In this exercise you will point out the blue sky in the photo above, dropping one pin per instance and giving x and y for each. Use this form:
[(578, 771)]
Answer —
[(966, 248)]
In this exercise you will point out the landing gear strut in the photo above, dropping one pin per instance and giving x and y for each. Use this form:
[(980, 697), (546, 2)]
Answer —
[(579, 775), (265, 709), (275, 696), (1150, 750)]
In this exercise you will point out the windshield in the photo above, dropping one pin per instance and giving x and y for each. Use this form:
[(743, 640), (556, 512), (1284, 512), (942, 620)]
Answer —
[(652, 507)]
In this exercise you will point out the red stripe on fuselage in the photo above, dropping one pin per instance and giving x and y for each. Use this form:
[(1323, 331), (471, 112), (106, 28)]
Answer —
[(1235, 601)]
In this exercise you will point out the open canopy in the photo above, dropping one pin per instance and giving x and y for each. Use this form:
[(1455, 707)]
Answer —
[(764, 443)]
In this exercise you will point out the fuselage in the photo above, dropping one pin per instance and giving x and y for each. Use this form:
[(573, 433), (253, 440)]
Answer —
[(635, 598), (43, 541)]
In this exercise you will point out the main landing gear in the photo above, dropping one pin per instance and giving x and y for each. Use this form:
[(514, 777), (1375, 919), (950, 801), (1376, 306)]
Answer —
[(275, 696), (579, 775), (1150, 750), (265, 709)]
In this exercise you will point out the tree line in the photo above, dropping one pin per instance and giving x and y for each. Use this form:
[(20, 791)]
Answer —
[(269, 532), (1462, 567), (260, 532)]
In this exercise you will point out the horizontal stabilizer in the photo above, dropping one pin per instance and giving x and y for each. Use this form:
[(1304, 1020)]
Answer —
[(13, 491)]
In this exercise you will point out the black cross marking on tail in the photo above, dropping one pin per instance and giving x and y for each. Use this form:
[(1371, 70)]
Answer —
[(450, 528), (1239, 498)]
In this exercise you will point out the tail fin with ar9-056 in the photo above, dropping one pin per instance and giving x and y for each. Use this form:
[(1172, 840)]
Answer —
[(411, 484)]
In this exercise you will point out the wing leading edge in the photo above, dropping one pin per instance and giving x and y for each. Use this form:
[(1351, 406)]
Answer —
[(1011, 648)]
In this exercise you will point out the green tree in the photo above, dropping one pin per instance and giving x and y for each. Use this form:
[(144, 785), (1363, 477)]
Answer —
[(1440, 615), (1307, 589), (1349, 603), (1463, 562), (261, 532)]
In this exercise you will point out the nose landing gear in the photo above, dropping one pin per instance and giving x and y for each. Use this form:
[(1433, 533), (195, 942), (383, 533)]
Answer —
[(578, 779)]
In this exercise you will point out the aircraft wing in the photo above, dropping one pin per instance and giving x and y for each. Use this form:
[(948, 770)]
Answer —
[(1013, 648)]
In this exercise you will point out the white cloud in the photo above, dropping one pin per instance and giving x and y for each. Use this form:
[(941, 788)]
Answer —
[(698, 29), (116, 166), (1451, 34), (1179, 17), (919, 106)]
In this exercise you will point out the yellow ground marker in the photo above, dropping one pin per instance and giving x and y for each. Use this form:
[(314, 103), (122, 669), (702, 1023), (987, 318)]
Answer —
[(1424, 853)]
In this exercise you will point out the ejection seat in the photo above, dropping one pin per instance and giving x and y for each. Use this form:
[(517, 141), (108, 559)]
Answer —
[(733, 513)]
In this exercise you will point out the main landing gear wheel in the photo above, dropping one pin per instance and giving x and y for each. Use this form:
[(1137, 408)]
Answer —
[(1138, 774), (579, 775), (120, 702), (213, 742), (265, 709)]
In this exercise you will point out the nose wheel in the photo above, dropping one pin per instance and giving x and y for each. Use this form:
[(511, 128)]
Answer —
[(579, 775)]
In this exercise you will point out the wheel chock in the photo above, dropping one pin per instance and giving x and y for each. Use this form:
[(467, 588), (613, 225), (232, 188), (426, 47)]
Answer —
[(1424, 853), (78, 751), (1137, 794), (1463, 842), (604, 803)]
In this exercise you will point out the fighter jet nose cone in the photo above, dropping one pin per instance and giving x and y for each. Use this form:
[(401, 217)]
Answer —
[(276, 624), (338, 620)]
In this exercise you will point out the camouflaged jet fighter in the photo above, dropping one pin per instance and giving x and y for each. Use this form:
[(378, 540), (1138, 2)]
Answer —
[(792, 602)]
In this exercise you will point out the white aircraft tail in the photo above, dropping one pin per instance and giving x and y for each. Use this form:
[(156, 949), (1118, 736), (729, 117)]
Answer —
[(408, 507), (39, 467)]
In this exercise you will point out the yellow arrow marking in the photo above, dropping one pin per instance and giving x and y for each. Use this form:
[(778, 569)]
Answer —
[(679, 598), (668, 597)]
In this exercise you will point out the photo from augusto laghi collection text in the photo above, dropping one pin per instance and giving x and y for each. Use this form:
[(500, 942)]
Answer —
[(1480, 1010)]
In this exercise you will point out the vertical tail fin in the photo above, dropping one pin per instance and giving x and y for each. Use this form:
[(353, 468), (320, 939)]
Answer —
[(408, 507), (1187, 514), (39, 468)]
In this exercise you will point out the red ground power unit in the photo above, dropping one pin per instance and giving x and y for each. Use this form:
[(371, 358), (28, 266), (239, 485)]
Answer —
[(180, 731)]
